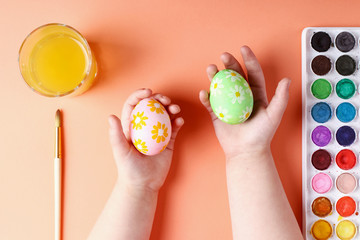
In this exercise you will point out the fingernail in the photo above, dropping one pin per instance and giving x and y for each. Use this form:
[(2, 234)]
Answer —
[(225, 57), (289, 82), (111, 121), (243, 49), (167, 99), (147, 90)]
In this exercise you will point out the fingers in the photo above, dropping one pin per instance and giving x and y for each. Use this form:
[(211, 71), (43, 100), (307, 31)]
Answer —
[(137, 96), (211, 70), (164, 100), (231, 63), (119, 144), (279, 102), (173, 109), (129, 105), (176, 122), (176, 126), (255, 75), (204, 99)]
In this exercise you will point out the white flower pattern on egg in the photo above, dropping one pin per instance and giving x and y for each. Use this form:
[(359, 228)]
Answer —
[(248, 90), (234, 76), (236, 94), (245, 114), (234, 103), (216, 85), (222, 113)]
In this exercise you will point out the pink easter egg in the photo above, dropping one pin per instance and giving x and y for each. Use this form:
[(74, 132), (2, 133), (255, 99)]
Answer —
[(150, 127)]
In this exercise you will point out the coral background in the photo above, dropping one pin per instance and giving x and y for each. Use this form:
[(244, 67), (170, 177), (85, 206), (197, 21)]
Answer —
[(164, 45)]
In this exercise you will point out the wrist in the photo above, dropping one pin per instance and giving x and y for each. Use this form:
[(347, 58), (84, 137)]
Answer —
[(249, 156), (136, 193)]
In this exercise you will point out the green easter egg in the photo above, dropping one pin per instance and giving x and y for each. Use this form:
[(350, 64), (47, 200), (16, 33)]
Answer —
[(230, 97)]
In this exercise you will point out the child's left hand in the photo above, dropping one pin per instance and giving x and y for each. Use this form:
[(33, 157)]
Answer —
[(138, 172), (253, 136)]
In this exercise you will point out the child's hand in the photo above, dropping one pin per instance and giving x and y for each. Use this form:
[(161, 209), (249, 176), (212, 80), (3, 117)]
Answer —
[(254, 135), (135, 170)]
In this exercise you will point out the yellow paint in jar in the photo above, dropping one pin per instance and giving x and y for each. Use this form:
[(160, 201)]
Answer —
[(345, 230), (321, 230), (55, 60)]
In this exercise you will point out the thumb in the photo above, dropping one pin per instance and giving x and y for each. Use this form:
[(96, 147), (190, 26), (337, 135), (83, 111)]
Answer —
[(277, 106), (119, 144)]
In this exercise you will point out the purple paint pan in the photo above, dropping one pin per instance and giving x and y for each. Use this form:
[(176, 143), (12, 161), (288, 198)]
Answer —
[(321, 136)]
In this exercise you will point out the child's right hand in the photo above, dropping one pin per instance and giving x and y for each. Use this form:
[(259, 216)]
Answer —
[(137, 171), (254, 135)]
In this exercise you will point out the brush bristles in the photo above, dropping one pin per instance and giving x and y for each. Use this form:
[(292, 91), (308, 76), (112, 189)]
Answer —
[(58, 118)]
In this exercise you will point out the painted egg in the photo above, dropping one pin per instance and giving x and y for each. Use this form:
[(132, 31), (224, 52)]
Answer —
[(150, 127), (230, 97)]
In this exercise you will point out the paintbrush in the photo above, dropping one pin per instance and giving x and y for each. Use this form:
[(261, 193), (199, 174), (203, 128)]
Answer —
[(57, 175)]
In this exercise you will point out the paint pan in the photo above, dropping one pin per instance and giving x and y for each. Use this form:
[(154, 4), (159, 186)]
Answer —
[(321, 65), (321, 183), (345, 112), (321, 159), (345, 159), (321, 112), (346, 230), (346, 206), (321, 88), (345, 65), (321, 230), (345, 41), (346, 183), (321, 136), (321, 207), (345, 88)]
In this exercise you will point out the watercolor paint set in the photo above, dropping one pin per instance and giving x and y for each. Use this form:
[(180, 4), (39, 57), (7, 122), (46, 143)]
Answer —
[(331, 125)]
